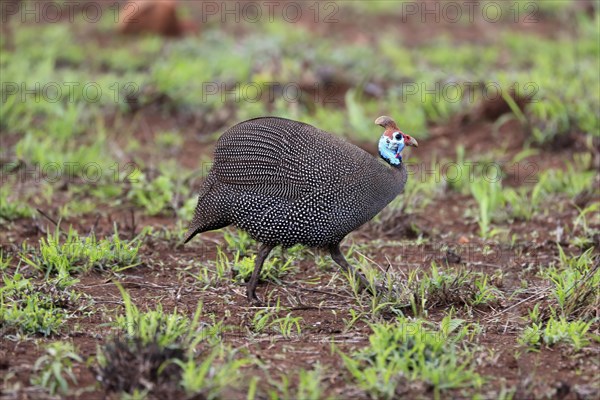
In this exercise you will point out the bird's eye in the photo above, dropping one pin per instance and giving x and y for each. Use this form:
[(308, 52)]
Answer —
[(398, 136)]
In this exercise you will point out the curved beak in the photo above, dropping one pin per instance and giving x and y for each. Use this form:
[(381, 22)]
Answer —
[(412, 142)]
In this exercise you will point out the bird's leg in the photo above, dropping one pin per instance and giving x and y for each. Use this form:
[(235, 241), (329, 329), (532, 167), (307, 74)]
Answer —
[(283, 256), (338, 257), (263, 253)]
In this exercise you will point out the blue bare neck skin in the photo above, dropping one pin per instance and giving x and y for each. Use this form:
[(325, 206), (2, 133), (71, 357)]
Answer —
[(390, 150)]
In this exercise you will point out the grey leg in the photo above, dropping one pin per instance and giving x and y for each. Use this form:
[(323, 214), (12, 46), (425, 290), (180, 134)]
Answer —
[(338, 257), (263, 253)]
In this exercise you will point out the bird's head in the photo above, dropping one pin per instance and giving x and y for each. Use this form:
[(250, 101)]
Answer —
[(393, 141)]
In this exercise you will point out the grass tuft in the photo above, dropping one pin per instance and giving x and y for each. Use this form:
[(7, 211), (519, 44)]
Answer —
[(78, 254), (556, 331), (27, 308), (414, 351), (157, 356), (576, 284), (54, 369)]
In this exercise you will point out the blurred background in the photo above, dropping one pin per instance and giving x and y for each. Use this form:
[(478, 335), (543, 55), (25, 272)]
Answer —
[(143, 88)]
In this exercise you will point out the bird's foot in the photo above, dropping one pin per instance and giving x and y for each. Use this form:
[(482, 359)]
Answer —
[(255, 301)]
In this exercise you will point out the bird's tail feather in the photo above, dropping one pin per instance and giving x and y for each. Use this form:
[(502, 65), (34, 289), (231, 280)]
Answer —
[(191, 232)]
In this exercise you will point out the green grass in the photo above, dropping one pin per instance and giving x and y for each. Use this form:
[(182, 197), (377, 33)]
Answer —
[(5, 261), (168, 191), (562, 105), (161, 328), (567, 181), (273, 269), (408, 351), (200, 377), (309, 387), (54, 369), (267, 320), (29, 308), (189, 64), (237, 261), (419, 192), (375, 7), (221, 272), (160, 354), (422, 291), (64, 255), (154, 196), (575, 293), (497, 204), (489, 197), (238, 241), (10, 209), (557, 331), (576, 284), (207, 59), (66, 154), (170, 139), (586, 226)]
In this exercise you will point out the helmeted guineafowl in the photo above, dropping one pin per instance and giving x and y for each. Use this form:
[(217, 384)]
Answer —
[(287, 182)]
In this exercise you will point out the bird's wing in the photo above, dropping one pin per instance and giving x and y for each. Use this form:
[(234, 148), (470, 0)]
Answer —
[(283, 158)]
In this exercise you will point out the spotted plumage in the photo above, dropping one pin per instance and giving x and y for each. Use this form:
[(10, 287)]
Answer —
[(286, 182)]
